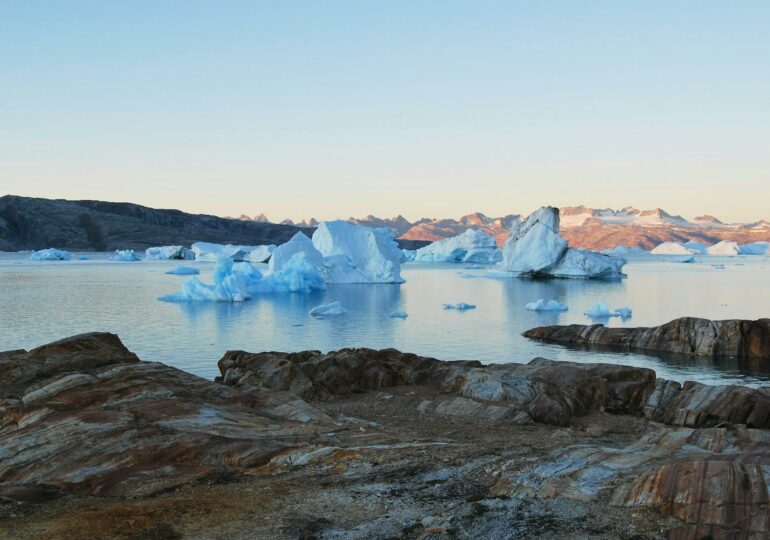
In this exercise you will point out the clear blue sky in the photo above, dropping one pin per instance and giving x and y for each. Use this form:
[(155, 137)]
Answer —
[(435, 108)]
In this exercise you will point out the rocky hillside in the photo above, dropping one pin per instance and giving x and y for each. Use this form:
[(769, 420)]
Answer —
[(30, 223)]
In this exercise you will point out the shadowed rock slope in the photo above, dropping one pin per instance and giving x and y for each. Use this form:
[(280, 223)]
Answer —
[(360, 443)]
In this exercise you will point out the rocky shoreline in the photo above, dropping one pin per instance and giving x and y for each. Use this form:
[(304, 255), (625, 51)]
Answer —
[(361, 443)]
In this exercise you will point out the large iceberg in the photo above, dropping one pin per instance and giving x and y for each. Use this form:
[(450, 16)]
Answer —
[(471, 246), (125, 255), (725, 247), (207, 251), (169, 252), (239, 281), (358, 254), (696, 246), (261, 253), (535, 249), (672, 248), (299, 243), (51, 254), (755, 248)]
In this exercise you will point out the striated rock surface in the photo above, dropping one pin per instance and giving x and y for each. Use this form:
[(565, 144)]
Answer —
[(687, 336)]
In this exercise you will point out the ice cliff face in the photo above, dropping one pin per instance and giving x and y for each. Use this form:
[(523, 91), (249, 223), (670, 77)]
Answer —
[(206, 251), (535, 249), (471, 246), (169, 252)]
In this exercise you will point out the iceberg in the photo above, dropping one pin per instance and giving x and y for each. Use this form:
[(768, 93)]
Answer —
[(261, 253), (624, 313), (725, 247), (299, 243), (601, 311), (672, 248), (169, 252), (624, 250), (460, 306), (398, 315), (408, 255), (50, 254), (550, 305), (358, 254), (688, 260), (328, 310), (755, 248), (207, 251), (535, 249), (696, 246), (126, 255), (184, 271), (240, 281), (472, 246)]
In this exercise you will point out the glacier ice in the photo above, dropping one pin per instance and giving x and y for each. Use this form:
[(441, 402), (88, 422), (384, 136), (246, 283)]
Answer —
[(358, 254), (261, 253), (328, 310), (471, 246), (51, 254), (299, 243), (127, 255), (673, 248), (725, 247), (600, 310), (398, 315), (755, 248), (207, 251), (408, 255), (696, 246), (535, 249), (550, 305), (460, 306), (184, 271), (169, 252)]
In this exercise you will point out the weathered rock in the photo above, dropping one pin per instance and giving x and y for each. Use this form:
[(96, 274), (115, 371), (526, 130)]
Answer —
[(686, 336)]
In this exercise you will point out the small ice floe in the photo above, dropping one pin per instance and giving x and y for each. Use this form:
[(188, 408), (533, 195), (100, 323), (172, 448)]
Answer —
[(84, 258), (550, 305), (600, 310), (688, 260), (328, 310), (184, 271), (50, 254), (125, 255), (460, 306), (399, 315)]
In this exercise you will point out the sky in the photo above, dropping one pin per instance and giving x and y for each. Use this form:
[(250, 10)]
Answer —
[(345, 108)]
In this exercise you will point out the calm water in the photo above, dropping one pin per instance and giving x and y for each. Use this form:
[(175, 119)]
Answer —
[(44, 301)]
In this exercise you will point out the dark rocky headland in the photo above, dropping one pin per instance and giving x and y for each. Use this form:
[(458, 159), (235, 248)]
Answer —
[(359, 443)]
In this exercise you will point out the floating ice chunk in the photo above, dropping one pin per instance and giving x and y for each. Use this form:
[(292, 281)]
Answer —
[(299, 243), (408, 255), (696, 246), (358, 254), (755, 248), (470, 246), (672, 248), (127, 255), (297, 275), (624, 250), (184, 271), (207, 251), (600, 310), (328, 310), (399, 315), (725, 247), (460, 306), (579, 263), (623, 313), (688, 260), (84, 258), (550, 305), (50, 254), (169, 252), (261, 253)]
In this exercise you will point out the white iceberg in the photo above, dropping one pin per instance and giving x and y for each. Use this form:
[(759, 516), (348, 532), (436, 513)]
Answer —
[(672, 248), (51, 254), (600, 310), (328, 310), (460, 306), (169, 252), (696, 246), (399, 315), (725, 247), (408, 255), (207, 251), (550, 305), (358, 254), (755, 248), (236, 282), (261, 253), (624, 250), (471, 246), (535, 249), (126, 255), (184, 271), (299, 243)]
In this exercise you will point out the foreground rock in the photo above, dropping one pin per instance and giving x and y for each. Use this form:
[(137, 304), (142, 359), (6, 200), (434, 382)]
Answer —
[(687, 336), (361, 443)]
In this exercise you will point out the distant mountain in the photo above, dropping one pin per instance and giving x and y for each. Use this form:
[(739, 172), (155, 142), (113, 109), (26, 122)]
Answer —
[(31, 223)]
